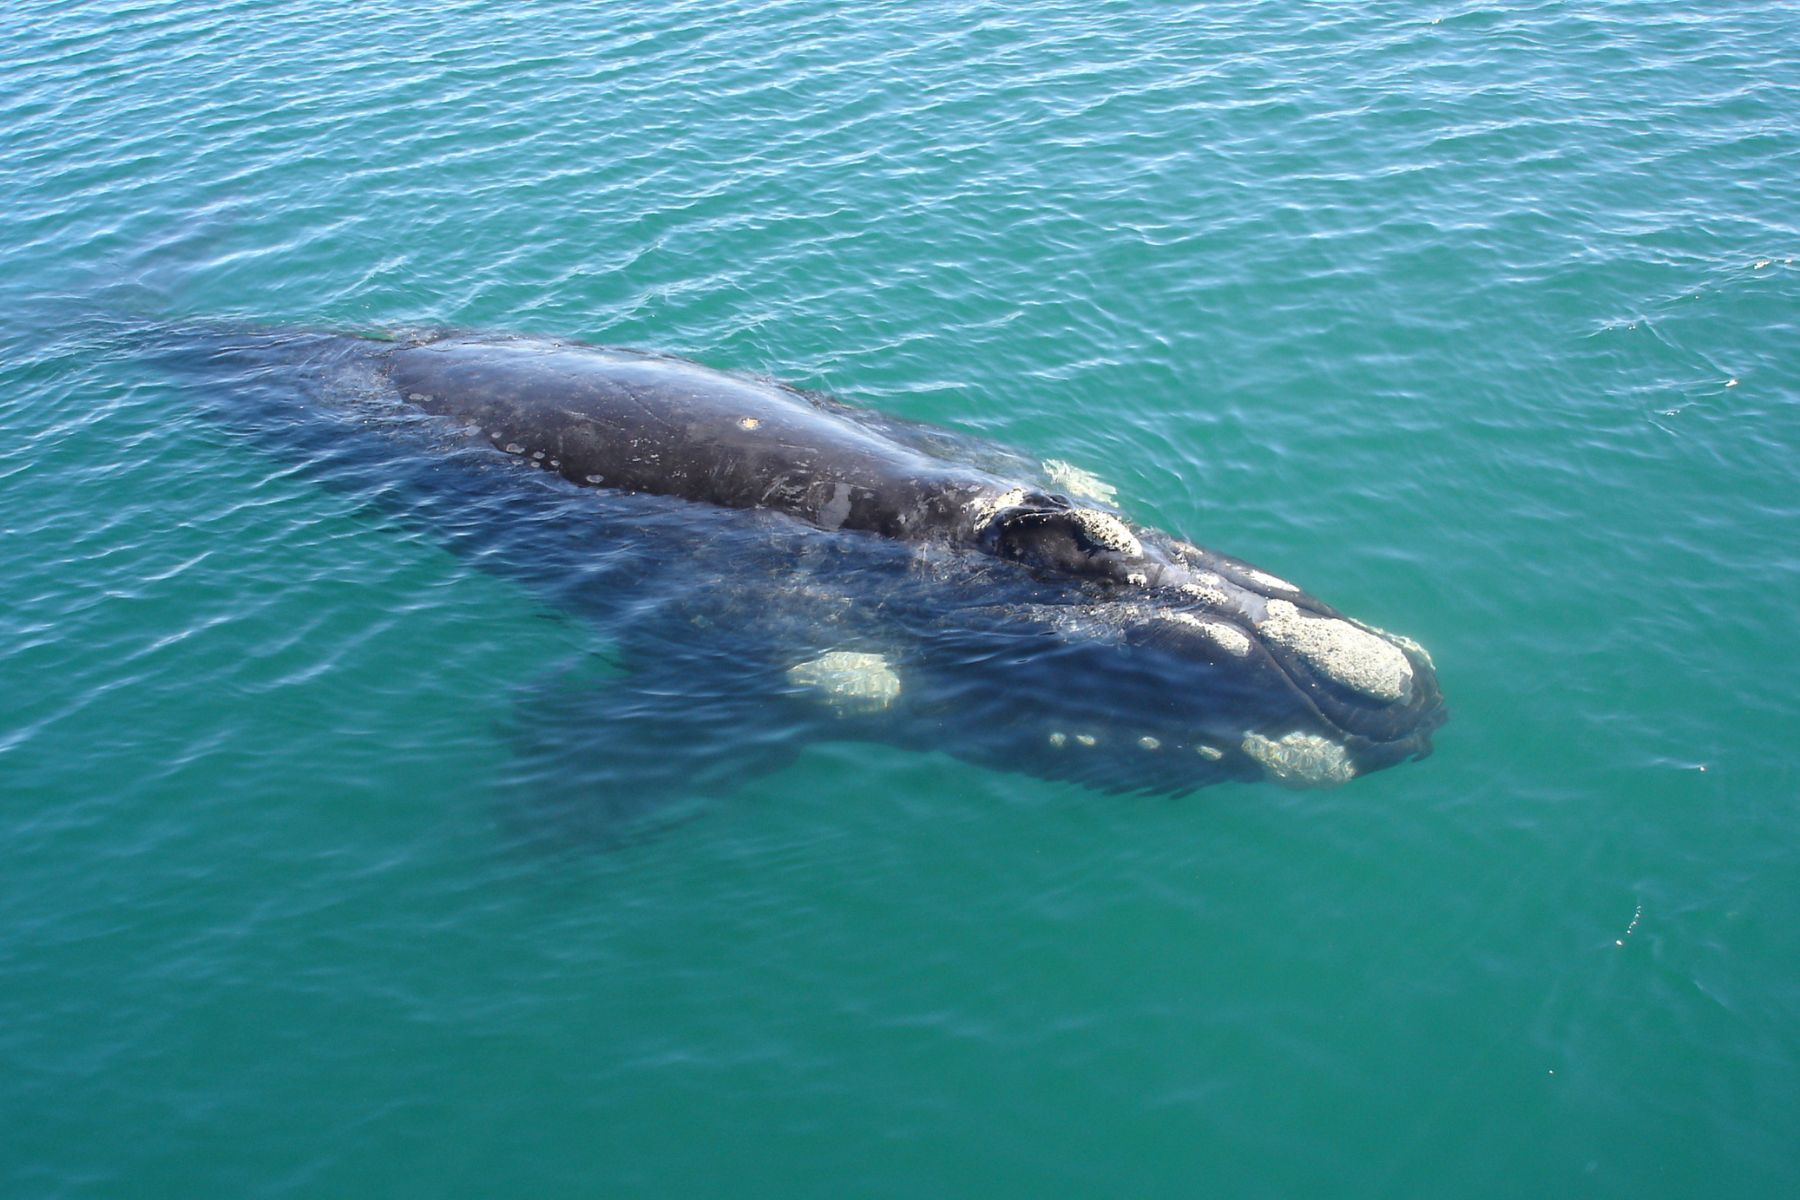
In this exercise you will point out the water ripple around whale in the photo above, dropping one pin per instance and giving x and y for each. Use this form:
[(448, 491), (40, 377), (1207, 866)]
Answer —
[(1481, 319)]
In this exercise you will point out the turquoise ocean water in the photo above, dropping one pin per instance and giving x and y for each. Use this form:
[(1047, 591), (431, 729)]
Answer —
[(1481, 321)]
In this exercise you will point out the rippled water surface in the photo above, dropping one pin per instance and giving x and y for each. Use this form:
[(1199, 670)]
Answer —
[(1481, 322)]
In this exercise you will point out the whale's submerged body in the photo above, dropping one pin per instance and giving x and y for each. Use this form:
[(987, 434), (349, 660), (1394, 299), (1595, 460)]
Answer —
[(772, 566)]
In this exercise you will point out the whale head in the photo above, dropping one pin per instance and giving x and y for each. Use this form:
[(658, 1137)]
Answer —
[(1171, 666)]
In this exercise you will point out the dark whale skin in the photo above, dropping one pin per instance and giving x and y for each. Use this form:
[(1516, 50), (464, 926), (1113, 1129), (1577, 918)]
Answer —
[(646, 422), (823, 571)]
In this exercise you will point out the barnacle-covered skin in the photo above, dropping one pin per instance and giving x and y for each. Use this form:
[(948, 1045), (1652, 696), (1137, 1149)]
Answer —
[(921, 587)]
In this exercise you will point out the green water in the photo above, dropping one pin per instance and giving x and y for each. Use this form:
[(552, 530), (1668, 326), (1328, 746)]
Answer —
[(1482, 322)]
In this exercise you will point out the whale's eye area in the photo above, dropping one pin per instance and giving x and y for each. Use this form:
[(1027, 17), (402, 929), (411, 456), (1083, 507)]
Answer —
[(1051, 539)]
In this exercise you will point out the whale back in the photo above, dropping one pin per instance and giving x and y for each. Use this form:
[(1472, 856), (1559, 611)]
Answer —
[(641, 422)]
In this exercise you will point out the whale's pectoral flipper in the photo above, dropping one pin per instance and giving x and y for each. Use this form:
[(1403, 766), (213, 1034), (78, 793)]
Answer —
[(606, 762), (848, 681)]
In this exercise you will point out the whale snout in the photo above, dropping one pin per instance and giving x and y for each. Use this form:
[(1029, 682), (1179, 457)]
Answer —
[(1211, 666), (1297, 692)]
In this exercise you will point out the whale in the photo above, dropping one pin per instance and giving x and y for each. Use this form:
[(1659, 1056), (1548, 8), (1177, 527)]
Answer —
[(770, 567)]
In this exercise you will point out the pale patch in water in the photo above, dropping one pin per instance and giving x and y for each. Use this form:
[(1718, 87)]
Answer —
[(849, 681), (1301, 759), (1210, 753), (1150, 743), (1107, 530), (1087, 739), (1407, 643), (1059, 740), (1351, 656), (1077, 482)]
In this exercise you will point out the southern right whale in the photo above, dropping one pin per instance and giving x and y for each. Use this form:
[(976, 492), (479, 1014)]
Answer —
[(775, 566)]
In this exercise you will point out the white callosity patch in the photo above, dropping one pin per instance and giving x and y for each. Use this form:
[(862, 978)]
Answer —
[(1272, 582), (984, 509), (1150, 743), (1226, 637), (849, 681), (1354, 657), (1207, 588), (1077, 482), (1106, 530), (1301, 759), (1401, 640)]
